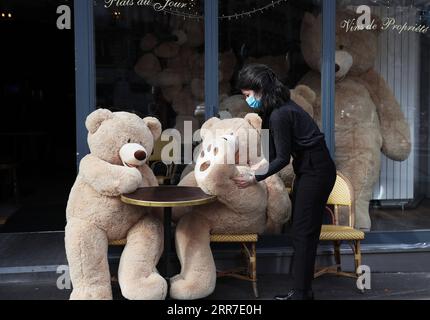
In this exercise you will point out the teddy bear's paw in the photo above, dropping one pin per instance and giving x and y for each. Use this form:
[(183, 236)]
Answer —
[(153, 287), (131, 180), (91, 293), (186, 289), (217, 161)]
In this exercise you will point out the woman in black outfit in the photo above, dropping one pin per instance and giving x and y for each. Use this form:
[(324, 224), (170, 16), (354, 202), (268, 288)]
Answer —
[(292, 132)]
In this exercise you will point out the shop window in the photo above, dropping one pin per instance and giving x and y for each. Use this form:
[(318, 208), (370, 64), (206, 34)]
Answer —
[(37, 122), (267, 32), (382, 111), (150, 61)]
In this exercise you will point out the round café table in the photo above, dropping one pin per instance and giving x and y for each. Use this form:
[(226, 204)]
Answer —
[(167, 197)]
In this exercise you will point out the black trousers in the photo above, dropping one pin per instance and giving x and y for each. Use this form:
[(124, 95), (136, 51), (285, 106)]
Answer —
[(315, 173)]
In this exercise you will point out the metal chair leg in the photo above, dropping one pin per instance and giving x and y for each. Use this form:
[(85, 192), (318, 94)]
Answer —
[(357, 255), (357, 259), (253, 273), (337, 255)]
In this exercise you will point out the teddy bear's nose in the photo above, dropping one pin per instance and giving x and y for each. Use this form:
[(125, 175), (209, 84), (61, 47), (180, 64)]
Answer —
[(140, 155), (337, 67)]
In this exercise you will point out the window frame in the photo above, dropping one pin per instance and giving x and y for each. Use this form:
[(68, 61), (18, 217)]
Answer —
[(86, 92)]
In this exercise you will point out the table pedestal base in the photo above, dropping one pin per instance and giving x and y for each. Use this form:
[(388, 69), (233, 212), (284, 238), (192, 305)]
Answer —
[(167, 242)]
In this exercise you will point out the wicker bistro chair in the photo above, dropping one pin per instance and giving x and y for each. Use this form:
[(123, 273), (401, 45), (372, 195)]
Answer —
[(118, 243), (164, 172), (342, 195), (248, 243)]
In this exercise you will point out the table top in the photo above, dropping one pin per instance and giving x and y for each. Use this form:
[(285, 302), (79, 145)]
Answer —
[(168, 196)]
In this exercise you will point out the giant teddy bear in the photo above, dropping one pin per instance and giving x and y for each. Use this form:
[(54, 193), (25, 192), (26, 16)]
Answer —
[(368, 119), (176, 64), (264, 207), (120, 143)]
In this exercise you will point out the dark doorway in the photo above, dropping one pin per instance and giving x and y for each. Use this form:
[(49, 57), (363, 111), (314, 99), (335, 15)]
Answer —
[(37, 120)]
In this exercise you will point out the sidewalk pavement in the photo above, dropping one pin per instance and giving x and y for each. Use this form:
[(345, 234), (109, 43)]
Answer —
[(384, 286)]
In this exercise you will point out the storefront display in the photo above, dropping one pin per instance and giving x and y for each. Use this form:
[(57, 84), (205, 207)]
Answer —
[(361, 69), (368, 119), (384, 58)]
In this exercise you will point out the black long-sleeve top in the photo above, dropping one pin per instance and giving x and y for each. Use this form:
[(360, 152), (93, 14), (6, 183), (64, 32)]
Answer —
[(291, 130)]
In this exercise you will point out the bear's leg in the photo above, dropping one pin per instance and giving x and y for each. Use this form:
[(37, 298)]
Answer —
[(363, 172), (137, 273), (86, 249), (198, 273), (362, 218)]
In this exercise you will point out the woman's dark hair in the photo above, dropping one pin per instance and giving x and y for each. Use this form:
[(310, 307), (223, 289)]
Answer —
[(261, 79)]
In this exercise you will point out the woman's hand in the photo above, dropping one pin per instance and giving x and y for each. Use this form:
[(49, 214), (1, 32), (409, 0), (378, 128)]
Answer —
[(244, 181)]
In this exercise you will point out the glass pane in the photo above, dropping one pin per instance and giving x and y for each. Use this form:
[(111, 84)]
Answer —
[(268, 32), (37, 122), (382, 111), (151, 62)]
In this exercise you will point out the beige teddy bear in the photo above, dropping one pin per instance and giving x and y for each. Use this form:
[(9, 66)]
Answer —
[(120, 144), (368, 119), (264, 207), (177, 67)]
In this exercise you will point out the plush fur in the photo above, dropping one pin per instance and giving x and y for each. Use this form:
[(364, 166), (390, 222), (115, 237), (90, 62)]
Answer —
[(263, 207), (96, 215), (368, 119)]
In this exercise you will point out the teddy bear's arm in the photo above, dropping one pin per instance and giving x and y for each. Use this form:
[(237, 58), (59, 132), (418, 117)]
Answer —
[(395, 129), (148, 176), (188, 181), (149, 180), (108, 179), (278, 205)]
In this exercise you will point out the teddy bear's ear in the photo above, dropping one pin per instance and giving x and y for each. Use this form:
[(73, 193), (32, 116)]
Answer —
[(208, 125), (306, 93), (95, 119), (154, 126), (254, 120)]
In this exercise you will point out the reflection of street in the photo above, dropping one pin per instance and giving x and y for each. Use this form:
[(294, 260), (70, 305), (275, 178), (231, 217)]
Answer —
[(42, 204), (388, 219), (29, 269)]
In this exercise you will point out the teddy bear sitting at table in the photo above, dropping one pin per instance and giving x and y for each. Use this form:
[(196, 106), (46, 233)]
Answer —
[(120, 144)]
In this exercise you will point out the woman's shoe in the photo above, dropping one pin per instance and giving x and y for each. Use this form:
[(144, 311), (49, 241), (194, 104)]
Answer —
[(296, 295)]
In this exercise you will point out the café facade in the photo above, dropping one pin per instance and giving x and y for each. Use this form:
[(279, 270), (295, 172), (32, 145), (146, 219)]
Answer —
[(178, 61)]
